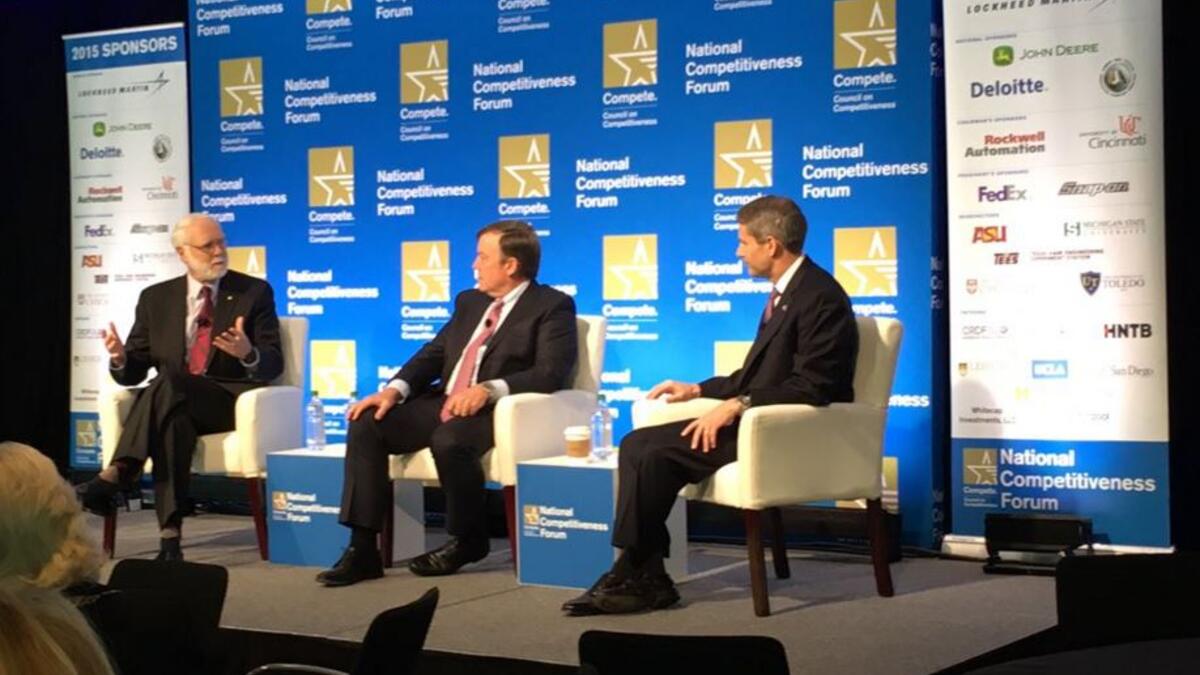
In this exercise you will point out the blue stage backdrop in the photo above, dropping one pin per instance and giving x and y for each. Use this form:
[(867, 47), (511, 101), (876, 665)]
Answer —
[(352, 149)]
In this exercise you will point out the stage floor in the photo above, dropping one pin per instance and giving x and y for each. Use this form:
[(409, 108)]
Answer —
[(827, 615)]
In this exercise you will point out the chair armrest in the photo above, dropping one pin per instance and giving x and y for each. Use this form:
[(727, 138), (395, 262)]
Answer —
[(267, 419), (530, 426), (649, 413), (286, 668), (114, 406), (789, 453)]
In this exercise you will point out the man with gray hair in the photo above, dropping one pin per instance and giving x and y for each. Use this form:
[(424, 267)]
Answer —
[(211, 334), (803, 352)]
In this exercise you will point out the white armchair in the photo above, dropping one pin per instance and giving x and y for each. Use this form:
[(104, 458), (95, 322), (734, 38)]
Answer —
[(792, 454), (526, 426), (267, 419)]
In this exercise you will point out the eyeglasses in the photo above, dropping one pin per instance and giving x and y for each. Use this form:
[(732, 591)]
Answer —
[(211, 247)]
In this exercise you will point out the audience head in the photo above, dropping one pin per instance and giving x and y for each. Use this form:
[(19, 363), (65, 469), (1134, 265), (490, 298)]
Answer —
[(44, 634)]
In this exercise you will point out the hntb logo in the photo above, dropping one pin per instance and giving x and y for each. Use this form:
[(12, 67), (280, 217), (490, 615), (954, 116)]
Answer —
[(979, 466), (241, 87), (990, 234), (865, 33), (426, 271), (728, 355), (525, 166), (1127, 330), (631, 53), (865, 260), (1008, 193), (328, 6), (251, 260), (742, 155), (334, 371), (1002, 56), (331, 176), (1049, 370), (425, 71), (631, 267)]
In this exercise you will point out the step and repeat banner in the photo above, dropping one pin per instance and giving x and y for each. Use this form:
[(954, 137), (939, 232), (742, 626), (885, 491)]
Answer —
[(1058, 345), (127, 111), (352, 149)]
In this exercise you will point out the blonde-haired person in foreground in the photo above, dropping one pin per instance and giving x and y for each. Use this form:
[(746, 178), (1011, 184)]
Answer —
[(42, 633)]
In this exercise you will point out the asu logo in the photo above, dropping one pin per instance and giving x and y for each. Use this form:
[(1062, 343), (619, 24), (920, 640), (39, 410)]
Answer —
[(241, 87), (87, 433), (334, 369), (631, 267), (92, 260), (979, 466), (425, 271), (728, 355), (631, 53), (525, 166), (990, 234), (425, 71), (331, 176), (328, 6), (864, 33), (251, 260), (530, 512), (865, 260), (742, 154)]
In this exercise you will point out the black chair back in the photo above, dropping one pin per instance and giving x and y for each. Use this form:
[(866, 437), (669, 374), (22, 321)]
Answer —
[(608, 653), (394, 640)]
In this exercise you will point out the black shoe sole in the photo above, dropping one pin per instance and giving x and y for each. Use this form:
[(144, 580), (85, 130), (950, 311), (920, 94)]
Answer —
[(339, 582)]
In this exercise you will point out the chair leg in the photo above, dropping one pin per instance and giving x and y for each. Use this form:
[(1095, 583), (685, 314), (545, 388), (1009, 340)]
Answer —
[(877, 531), (510, 520), (259, 512), (778, 545), (110, 534), (387, 536), (758, 564)]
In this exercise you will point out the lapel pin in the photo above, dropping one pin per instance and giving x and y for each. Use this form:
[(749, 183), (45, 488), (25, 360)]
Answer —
[(229, 297)]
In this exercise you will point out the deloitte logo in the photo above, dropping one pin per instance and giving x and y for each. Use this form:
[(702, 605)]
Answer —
[(107, 152), (1019, 86)]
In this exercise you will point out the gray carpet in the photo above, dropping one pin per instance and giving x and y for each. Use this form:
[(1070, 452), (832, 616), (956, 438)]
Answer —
[(827, 615)]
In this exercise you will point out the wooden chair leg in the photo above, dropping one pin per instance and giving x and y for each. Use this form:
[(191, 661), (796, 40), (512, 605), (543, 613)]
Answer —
[(758, 565), (259, 512), (877, 530), (110, 534), (387, 536), (778, 544), (510, 520)]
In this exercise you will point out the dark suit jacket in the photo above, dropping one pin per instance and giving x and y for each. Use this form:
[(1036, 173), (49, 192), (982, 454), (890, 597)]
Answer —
[(534, 350), (158, 338), (805, 353)]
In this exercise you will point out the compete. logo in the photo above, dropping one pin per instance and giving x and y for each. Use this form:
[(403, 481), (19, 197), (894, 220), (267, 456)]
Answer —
[(864, 33), (631, 267), (865, 262), (631, 53), (979, 467), (742, 156), (425, 72), (331, 176), (241, 87), (251, 260), (334, 370), (525, 166), (425, 271)]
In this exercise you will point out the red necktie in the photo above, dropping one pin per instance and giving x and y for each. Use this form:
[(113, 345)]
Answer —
[(198, 353), (466, 369), (770, 310)]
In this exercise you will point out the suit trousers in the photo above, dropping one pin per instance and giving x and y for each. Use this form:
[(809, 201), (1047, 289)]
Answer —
[(654, 464), (457, 447)]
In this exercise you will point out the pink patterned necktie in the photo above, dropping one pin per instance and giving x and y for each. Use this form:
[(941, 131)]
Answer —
[(466, 370), (198, 353), (770, 310)]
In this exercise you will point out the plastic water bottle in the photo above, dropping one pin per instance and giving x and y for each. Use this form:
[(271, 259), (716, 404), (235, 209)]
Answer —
[(601, 431), (314, 421)]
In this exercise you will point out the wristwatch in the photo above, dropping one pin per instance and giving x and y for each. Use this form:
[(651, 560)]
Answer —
[(744, 400)]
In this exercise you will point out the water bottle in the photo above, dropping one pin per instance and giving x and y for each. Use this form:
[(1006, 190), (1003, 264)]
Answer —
[(314, 420), (601, 430)]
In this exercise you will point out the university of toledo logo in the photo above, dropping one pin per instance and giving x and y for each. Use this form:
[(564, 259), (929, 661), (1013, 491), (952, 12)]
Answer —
[(525, 166), (631, 53), (728, 355), (865, 260), (328, 6), (87, 433), (251, 260), (742, 154), (631, 267), (331, 176), (1090, 282), (425, 72), (334, 369), (425, 271), (865, 33), (979, 466), (241, 87)]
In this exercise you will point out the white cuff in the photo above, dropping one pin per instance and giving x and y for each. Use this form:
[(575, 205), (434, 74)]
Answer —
[(400, 386), (497, 389)]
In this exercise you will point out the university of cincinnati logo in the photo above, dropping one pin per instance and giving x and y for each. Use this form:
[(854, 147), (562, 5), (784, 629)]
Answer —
[(979, 466), (865, 260), (331, 176), (525, 166), (328, 6), (333, 365), (426, 274), (251, 260), (631, 53), (425, 72), (241, 87), (864, 33), (631, 267), (742, 154), (87, 433)]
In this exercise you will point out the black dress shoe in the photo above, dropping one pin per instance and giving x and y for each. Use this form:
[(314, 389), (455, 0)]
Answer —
[(99, 496), (169, 550), (449, 558), (637, 593), (354, 566), (582, 605)]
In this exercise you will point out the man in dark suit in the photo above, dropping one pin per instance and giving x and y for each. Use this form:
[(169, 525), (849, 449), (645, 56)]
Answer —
[(507, 336), (804, 352), (211, 334)]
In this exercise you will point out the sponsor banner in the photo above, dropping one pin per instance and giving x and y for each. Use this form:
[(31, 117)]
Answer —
[(130, 181)]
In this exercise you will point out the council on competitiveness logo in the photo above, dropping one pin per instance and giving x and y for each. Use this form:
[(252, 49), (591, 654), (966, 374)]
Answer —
[(331, 176), (425, 71), (742, 154), (864, 33), (426, 271), (631, 53), (241, 86), (979, 466), (865, 262), (251, 260), (328, 6), (334, 368), (525, 166), (631, 267)]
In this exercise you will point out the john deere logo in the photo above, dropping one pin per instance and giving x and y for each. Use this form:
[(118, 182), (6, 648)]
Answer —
[(525, 166), (979, 466), (1002, 56), (865, 33), (865, 260), (530, 513), (87, 433), (241, 87), (631, 53), (331, 176), (424, 72), (425, 271), (328, 6), (251, 260), (334, 367), (742, 154), (728, 355), (631, 267), (99, 129), (1090, 282)]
